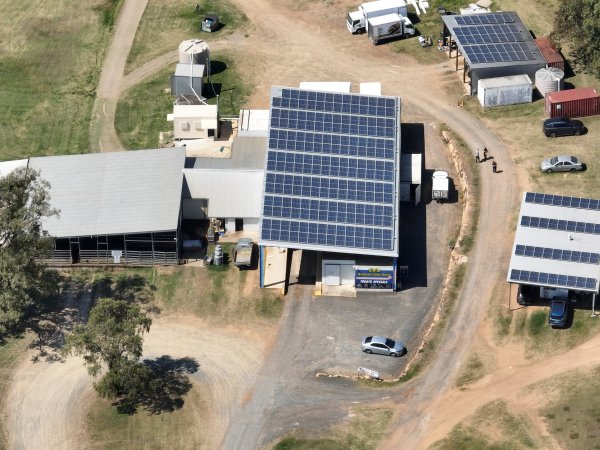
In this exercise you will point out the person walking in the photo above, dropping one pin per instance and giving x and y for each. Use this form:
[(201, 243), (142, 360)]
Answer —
[(494, 166), (485, 153), (477, 156)]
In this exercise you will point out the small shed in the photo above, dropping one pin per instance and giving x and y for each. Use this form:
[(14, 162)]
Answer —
[(194, 121), (578, 102), (187, 79), (552, 56), (509, 90)]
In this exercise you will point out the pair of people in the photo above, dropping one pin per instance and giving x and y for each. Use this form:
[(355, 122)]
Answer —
[(485, 157)]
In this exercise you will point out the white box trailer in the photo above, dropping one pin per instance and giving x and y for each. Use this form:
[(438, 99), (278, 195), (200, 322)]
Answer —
[(440, 186), (390, 26), (357, 21)]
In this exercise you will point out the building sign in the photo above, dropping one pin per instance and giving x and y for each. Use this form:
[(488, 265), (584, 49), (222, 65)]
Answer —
[(374, 277)]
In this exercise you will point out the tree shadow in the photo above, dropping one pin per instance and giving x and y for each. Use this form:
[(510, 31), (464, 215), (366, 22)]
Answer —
[(168, 386)]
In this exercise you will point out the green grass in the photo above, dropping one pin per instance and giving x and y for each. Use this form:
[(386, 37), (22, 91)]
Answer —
[(142, 113), (492, 427), (166, 23), (10, 353), (573, 414), (292, 443), (50, 60)]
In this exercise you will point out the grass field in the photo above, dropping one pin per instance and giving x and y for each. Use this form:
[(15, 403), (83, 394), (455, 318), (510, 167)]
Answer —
[(51, 54), (572, 413), (10, 353), (142, 113), (363, 432), (168, 22), (492, 427)]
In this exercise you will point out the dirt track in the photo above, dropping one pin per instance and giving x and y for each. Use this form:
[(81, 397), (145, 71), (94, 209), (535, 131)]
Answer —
[(285, 48)]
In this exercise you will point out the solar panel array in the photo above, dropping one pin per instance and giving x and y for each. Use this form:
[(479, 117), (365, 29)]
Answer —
[(566, 281), (557, 254), (485, 34), (484, 19), (561, 225), (331, 171), (492, 38), (560, 200)]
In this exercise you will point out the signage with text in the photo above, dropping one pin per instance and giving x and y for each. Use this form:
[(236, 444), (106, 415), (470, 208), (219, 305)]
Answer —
[(374, 277)]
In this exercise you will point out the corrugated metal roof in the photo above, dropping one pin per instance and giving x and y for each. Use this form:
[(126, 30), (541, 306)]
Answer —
[(253, 122), (113, 193), (230, 193), (508, 81), (7, 167), (410, 168), (327, 86), (549, 52), (556, 239), (572, 95)]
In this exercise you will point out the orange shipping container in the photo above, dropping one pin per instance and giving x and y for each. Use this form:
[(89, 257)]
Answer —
[(578, 102)]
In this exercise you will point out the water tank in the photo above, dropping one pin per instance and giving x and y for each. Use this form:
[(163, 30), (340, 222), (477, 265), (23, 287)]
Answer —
[(193, 51), (218, 259), (549, 79)]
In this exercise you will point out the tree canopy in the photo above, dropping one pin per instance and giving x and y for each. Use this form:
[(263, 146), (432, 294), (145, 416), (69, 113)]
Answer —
[(577, 27), (24, 203)]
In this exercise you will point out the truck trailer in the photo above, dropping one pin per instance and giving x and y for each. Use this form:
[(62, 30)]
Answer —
[(358, 21), (390, 26)]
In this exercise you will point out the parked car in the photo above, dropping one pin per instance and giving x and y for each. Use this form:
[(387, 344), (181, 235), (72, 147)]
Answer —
[(562, 163), (382, 346), (561, 126), (559, 313)]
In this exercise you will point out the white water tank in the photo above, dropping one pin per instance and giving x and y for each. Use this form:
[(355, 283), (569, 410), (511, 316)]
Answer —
[(549, 79), (193, 51)]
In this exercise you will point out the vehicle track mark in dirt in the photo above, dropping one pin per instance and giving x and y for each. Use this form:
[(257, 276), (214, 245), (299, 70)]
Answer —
[(103, 136)]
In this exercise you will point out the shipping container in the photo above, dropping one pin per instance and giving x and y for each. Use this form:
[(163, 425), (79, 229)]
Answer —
[(552, 56), (508, 90), (578, 102)]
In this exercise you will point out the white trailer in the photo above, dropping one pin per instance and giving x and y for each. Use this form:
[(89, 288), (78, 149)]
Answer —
[(390, 26), (357, 21), (440, 186)]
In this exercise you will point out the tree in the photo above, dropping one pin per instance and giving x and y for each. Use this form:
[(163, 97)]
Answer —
[(24, 280), (113, 336), (577, 26)]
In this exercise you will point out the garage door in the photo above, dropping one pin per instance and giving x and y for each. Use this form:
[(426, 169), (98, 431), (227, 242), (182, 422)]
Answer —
[(332, 275), (347, 275)]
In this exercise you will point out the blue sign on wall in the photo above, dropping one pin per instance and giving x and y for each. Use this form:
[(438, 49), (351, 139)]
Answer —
[(374, 278)]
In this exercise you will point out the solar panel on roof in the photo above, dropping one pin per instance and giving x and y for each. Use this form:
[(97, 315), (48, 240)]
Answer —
[(479, 19), (488, 34), (567, 281), (560, 200), (561, 225), (501, 52), (557, 254), (331, 170)]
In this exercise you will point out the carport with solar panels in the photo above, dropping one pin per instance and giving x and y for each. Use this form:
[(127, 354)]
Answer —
[(493, 45), (332, 183), (557, 244)]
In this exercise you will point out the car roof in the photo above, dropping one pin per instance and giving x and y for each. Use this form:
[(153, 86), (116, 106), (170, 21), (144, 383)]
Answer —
[(566, 158), (557, 119), (378, 340)]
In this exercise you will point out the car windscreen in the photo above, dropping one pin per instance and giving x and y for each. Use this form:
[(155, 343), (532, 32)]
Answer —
[(558, 309), (554, 160)]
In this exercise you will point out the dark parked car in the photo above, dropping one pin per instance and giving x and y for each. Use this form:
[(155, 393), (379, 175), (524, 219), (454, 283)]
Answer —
[(561, 126), (382, 346), (559, 313)]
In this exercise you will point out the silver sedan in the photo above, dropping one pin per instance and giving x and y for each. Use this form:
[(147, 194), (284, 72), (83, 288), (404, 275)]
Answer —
[(563, 163), (382, 346)]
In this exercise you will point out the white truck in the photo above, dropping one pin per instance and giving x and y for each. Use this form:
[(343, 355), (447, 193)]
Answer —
[(440, 186), (358, 21), (390, 26)]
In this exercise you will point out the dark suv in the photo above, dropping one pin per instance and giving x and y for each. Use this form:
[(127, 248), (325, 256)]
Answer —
[(559, 313), (561, 126)]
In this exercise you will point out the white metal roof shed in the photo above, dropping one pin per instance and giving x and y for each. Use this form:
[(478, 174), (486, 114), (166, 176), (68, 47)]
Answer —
[(230, 193), (113, 193), (557, 243)]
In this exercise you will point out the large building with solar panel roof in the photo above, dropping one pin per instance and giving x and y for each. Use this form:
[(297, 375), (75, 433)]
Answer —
[(494, 45), (557, 243), (332, 177)]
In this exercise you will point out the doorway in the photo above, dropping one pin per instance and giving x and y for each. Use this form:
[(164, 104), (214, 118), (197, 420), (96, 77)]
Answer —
[(74, 252), (239, 224)]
